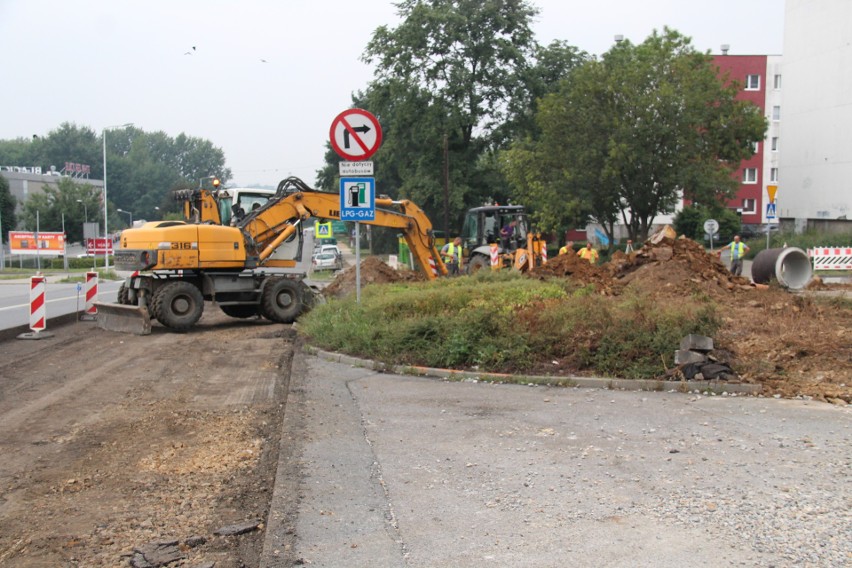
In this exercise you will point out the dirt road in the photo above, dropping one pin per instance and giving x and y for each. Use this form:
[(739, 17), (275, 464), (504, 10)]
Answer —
[(112, 443)]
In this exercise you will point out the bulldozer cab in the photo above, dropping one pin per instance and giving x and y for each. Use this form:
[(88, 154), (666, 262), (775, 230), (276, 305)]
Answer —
[(483, 226)]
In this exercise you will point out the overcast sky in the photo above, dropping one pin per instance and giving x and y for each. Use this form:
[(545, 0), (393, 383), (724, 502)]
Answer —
[(267, 77)]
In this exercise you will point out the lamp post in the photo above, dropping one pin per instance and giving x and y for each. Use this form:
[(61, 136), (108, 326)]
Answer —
[(129, 213), (85, 211), (106, 231)]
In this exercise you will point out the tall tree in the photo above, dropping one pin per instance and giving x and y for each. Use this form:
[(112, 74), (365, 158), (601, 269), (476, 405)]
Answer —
[(641, 128), (7, 210), (67, 202)]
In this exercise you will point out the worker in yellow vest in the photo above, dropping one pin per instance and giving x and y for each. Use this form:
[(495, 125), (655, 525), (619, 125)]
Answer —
[(588, 253), (452, 255), (569, 246), (738, 250)]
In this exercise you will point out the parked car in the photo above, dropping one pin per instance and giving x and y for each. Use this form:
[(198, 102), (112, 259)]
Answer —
[(326, 261), (331, 248)]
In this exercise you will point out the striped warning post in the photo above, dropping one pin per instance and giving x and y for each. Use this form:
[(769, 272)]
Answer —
[(831, 258), (543, 252), (38, 314), (495, 257), (433, 266), (91, 293)]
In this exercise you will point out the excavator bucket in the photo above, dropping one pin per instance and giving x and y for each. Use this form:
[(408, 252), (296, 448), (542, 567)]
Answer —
[(124, 318)]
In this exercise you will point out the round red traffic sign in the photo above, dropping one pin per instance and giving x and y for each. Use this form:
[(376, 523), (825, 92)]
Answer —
[(355, 134)]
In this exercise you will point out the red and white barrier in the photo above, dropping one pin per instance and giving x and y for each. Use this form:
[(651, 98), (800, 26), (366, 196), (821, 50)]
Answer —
[(831, 258), (495, 257), (544, 252), (91, 293), (38, 313), (433, 266)]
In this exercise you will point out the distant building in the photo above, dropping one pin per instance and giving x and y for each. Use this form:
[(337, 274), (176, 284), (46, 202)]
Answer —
[(25, 181), (815, 186), (760, 77)]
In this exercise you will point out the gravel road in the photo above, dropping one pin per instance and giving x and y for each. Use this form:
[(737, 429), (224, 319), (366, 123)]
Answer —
[(390, 470)]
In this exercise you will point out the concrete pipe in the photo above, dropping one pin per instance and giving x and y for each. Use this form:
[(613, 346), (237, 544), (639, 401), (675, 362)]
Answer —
[(790, 266)]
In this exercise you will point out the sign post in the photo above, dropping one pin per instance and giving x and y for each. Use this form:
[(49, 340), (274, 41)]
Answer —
[(356, 135), (711, 226)]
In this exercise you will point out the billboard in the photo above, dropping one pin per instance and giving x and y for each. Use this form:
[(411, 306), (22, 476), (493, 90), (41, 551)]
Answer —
[(49, 244)]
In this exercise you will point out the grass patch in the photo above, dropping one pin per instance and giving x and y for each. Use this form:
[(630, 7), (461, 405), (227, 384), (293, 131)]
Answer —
[(507, 323)]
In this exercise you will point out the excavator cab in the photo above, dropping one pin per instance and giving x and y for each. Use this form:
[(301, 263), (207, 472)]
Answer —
[(483, 226)]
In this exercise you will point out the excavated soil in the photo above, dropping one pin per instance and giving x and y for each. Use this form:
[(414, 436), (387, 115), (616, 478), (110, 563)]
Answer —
[(792, 343)]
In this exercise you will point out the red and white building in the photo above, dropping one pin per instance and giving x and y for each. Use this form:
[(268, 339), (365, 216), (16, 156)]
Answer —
[(760, 77)]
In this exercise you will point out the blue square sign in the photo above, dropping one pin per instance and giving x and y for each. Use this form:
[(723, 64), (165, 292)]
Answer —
[(357, 199)]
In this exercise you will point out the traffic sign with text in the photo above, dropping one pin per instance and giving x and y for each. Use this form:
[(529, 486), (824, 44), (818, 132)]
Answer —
[(356, 168), (358, 199), (355, 134)]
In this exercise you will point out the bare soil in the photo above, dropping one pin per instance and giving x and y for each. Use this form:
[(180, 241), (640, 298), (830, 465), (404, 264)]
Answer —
[(112, 443), (791, 343)]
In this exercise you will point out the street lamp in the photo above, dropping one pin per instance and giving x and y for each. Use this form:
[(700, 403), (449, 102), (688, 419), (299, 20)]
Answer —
[(85, 210), (129, 213), (106, 231)]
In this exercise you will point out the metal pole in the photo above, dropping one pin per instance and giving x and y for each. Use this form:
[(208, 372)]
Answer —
[(357, 262), (2, 246), (38, 255), (64, 245), (106, 232)]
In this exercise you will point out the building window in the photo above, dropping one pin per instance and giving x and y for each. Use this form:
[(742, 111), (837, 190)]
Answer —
[(750, 175), (752, 83), (776, 112), (749, 206), (755, 147), (773, 175), (777, 82), (774, 143)]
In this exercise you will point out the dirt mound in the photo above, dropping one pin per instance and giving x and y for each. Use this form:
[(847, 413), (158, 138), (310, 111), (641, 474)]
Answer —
[(373, 271), (579, 270), (675, 266)]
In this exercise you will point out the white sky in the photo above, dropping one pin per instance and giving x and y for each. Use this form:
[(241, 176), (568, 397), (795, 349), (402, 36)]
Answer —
[(100, 63)]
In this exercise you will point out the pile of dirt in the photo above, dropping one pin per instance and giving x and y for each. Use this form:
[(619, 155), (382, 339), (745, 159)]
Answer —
[(663, 266), (373, 271)]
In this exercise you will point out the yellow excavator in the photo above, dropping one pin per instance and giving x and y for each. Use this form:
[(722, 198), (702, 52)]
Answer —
[(177, 265)]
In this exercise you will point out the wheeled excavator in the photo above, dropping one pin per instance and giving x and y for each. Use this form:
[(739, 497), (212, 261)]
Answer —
[(177, 265)]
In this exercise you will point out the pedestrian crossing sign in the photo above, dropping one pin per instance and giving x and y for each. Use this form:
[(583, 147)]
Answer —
[(770, 211), (322, 230)]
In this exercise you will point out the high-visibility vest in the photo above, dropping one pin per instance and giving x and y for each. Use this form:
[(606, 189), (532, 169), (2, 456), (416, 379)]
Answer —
[(588, 254), (564, 250), (737, 250), (451, 253)]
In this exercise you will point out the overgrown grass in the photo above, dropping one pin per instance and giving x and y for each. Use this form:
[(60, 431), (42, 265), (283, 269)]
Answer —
[(508, 323)]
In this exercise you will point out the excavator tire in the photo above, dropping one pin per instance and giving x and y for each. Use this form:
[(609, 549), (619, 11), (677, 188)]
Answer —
[(124, 296), (477, 263), (242, 312), (281, 300), (178, 305)]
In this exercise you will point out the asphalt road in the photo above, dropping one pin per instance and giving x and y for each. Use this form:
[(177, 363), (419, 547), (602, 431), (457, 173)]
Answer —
[(388, 470), (60, 299)]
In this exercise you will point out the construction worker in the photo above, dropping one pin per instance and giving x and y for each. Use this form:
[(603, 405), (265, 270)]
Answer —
[(569, 246), (452, 254), (588, 253), (738, 250)]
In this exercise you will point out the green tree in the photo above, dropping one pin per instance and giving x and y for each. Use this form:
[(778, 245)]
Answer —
[(66, 202), (643, 127), (7, 209), (448, 80)]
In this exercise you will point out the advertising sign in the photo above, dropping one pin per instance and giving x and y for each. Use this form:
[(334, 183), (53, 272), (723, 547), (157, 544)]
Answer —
[(48, 244)]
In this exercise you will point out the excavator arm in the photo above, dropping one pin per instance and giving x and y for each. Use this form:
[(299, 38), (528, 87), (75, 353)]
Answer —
[(266, 228)]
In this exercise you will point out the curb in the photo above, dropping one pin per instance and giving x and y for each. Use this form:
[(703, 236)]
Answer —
[(715, 387)]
